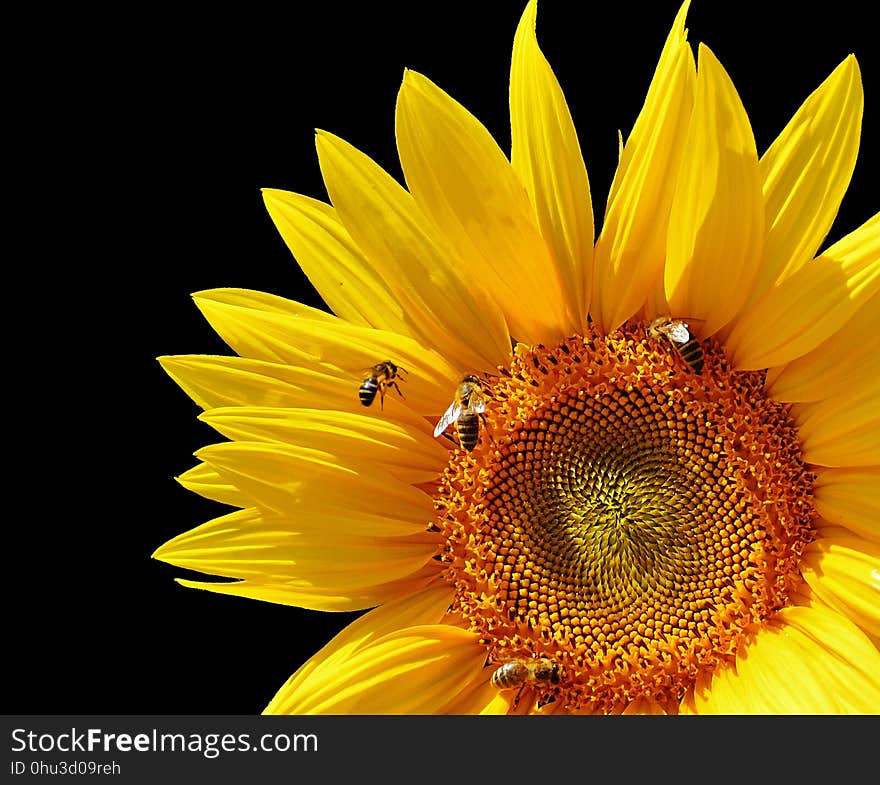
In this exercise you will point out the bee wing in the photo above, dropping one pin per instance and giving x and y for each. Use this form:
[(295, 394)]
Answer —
[(677, 332), (449, 416)]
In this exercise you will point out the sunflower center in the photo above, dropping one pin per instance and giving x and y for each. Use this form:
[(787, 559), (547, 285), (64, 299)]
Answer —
[(624, 516)]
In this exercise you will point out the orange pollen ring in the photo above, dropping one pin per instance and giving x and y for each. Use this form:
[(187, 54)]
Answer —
[(625, 517)]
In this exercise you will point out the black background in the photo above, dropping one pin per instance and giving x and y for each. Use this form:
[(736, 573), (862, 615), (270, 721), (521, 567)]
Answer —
[(142, 142)]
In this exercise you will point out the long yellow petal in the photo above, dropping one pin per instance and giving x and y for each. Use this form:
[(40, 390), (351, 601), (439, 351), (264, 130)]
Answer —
[(300, 562), (331, 521), (849, 359), (266, 302), (851, 498), (844, 572), (716, 226), (480, 698), (357, 439), (423, 607), (442, 305), (284, 478), (331, 345), (810, 305), (631, 249), (214, 381), (810, 660), (253, 544), (328, 599), (806, 172), (217, 381), (461, 179), (546, 155), (416, 670), (843, 430), (204, 481), (354, 289)]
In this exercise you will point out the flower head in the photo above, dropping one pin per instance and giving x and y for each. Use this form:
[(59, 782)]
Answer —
[(635, 472)]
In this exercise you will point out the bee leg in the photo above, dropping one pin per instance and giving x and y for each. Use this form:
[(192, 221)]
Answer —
[(518, 695), (447, 436), (382, 398), (394, 385), (486, 428)]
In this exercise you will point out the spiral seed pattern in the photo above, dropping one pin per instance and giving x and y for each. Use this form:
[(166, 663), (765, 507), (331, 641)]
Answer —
[(628, 519)]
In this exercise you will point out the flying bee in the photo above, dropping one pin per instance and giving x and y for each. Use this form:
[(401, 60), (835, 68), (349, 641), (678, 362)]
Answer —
[(524, 673), (466, 410), (381, 377), (677, 333)]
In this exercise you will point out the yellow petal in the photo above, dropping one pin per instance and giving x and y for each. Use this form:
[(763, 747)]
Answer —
[(204, 481), (266, 302), (423, 607), (481, 697), (644, 706), (806, 172), (810, 305), (849, 359), (333, 346), (300, 562), (546, 155), (252, 544), (844, 572), (720, 694), (442, 305), (319, 552), (497, 704), (809, 660), (356, 439), (462, 181), (843, 430), (329, 599), (631, 249), (716, 226), (354, 289), (215, 382), (285, 478), (851, 498), (416, 670), (325, 517)]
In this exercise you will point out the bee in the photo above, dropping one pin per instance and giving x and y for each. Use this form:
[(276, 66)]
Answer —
[(524, 673), (677, 333), (381, 377), (465, 411)]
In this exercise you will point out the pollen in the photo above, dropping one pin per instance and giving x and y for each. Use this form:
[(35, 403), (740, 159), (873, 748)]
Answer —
[(624, 516)]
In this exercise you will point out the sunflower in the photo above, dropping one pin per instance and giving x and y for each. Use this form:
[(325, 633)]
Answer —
[(635, 473)]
